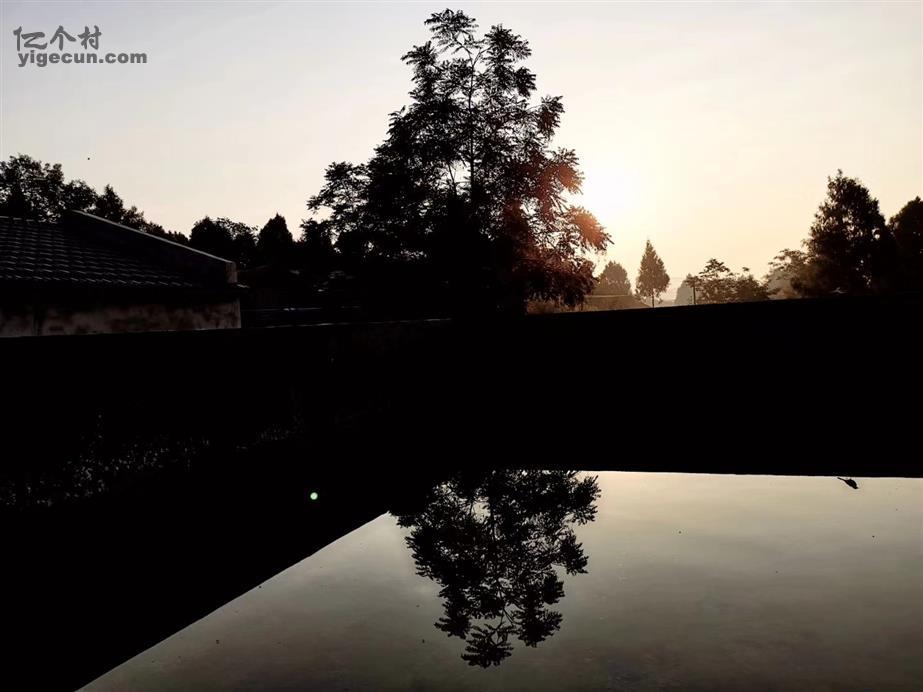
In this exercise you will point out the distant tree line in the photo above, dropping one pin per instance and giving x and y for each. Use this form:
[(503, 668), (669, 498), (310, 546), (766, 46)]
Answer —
[(850, 250), (612, 290), (35, 190), (716, 283)]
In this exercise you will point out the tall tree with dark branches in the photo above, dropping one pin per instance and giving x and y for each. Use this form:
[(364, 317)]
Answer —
[(851, 249), (467, 201), (275, 244)]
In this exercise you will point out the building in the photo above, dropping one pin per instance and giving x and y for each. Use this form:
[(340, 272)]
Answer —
[(87, 275)]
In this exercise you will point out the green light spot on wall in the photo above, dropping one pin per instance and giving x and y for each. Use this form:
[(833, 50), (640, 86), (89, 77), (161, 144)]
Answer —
[(313, 496)]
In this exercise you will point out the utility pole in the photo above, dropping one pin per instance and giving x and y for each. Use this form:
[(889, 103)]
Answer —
[(693, 282)]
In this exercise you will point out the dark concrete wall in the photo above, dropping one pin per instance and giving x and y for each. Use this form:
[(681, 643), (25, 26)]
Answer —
[(830, 384)]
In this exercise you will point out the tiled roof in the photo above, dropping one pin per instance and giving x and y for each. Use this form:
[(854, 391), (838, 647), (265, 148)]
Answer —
[(46, 253)]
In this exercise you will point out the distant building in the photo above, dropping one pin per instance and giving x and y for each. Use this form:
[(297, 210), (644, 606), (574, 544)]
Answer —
[(88, 275)]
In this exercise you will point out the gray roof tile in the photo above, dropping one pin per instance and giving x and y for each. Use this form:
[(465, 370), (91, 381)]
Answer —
[(45, 253)]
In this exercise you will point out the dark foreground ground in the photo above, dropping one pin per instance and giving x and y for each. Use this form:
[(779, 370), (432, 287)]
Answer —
[(178, 467)]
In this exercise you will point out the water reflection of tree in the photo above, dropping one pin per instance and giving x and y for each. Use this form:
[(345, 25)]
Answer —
[(492, 541)]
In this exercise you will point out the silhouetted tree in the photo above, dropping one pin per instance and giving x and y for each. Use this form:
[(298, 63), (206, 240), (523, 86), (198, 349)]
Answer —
[(748, 289), (791, 267), (316, 253), (492, 540), (466, 200), (907, 228), (716, 283), (850, 248), (275, 244), (208, 236), (32, 189), (158, 230), (612, 292), (613, 281), (243, 242), (110, 206), (652, 276), (35, 190), (224, 238)]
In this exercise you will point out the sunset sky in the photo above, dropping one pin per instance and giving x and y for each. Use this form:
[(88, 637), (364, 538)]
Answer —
[(708, 128)]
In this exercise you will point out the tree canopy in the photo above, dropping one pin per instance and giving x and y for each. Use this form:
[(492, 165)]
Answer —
[(789, 272), (35, 190), (275, 244), (850, 246), (494, 541), (716, 283), (907, 228), (225, 238), (851, 250), (613, 281), (466, 201)]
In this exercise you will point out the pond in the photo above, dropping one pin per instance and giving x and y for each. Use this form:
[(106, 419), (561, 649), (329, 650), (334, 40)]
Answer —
[(531, 580)]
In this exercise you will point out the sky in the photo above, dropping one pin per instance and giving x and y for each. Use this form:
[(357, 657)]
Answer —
[(708, 128)]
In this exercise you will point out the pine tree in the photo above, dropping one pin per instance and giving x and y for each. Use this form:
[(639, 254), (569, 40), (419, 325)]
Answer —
[(652, 276)]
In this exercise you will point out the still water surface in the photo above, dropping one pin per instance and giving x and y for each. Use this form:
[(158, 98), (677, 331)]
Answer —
[(678, 581)]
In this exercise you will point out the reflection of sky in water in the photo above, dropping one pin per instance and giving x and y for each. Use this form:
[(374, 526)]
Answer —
[(693, 580)]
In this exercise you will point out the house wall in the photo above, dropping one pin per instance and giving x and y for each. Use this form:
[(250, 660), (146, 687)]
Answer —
[(62, 318), (16, 320)]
